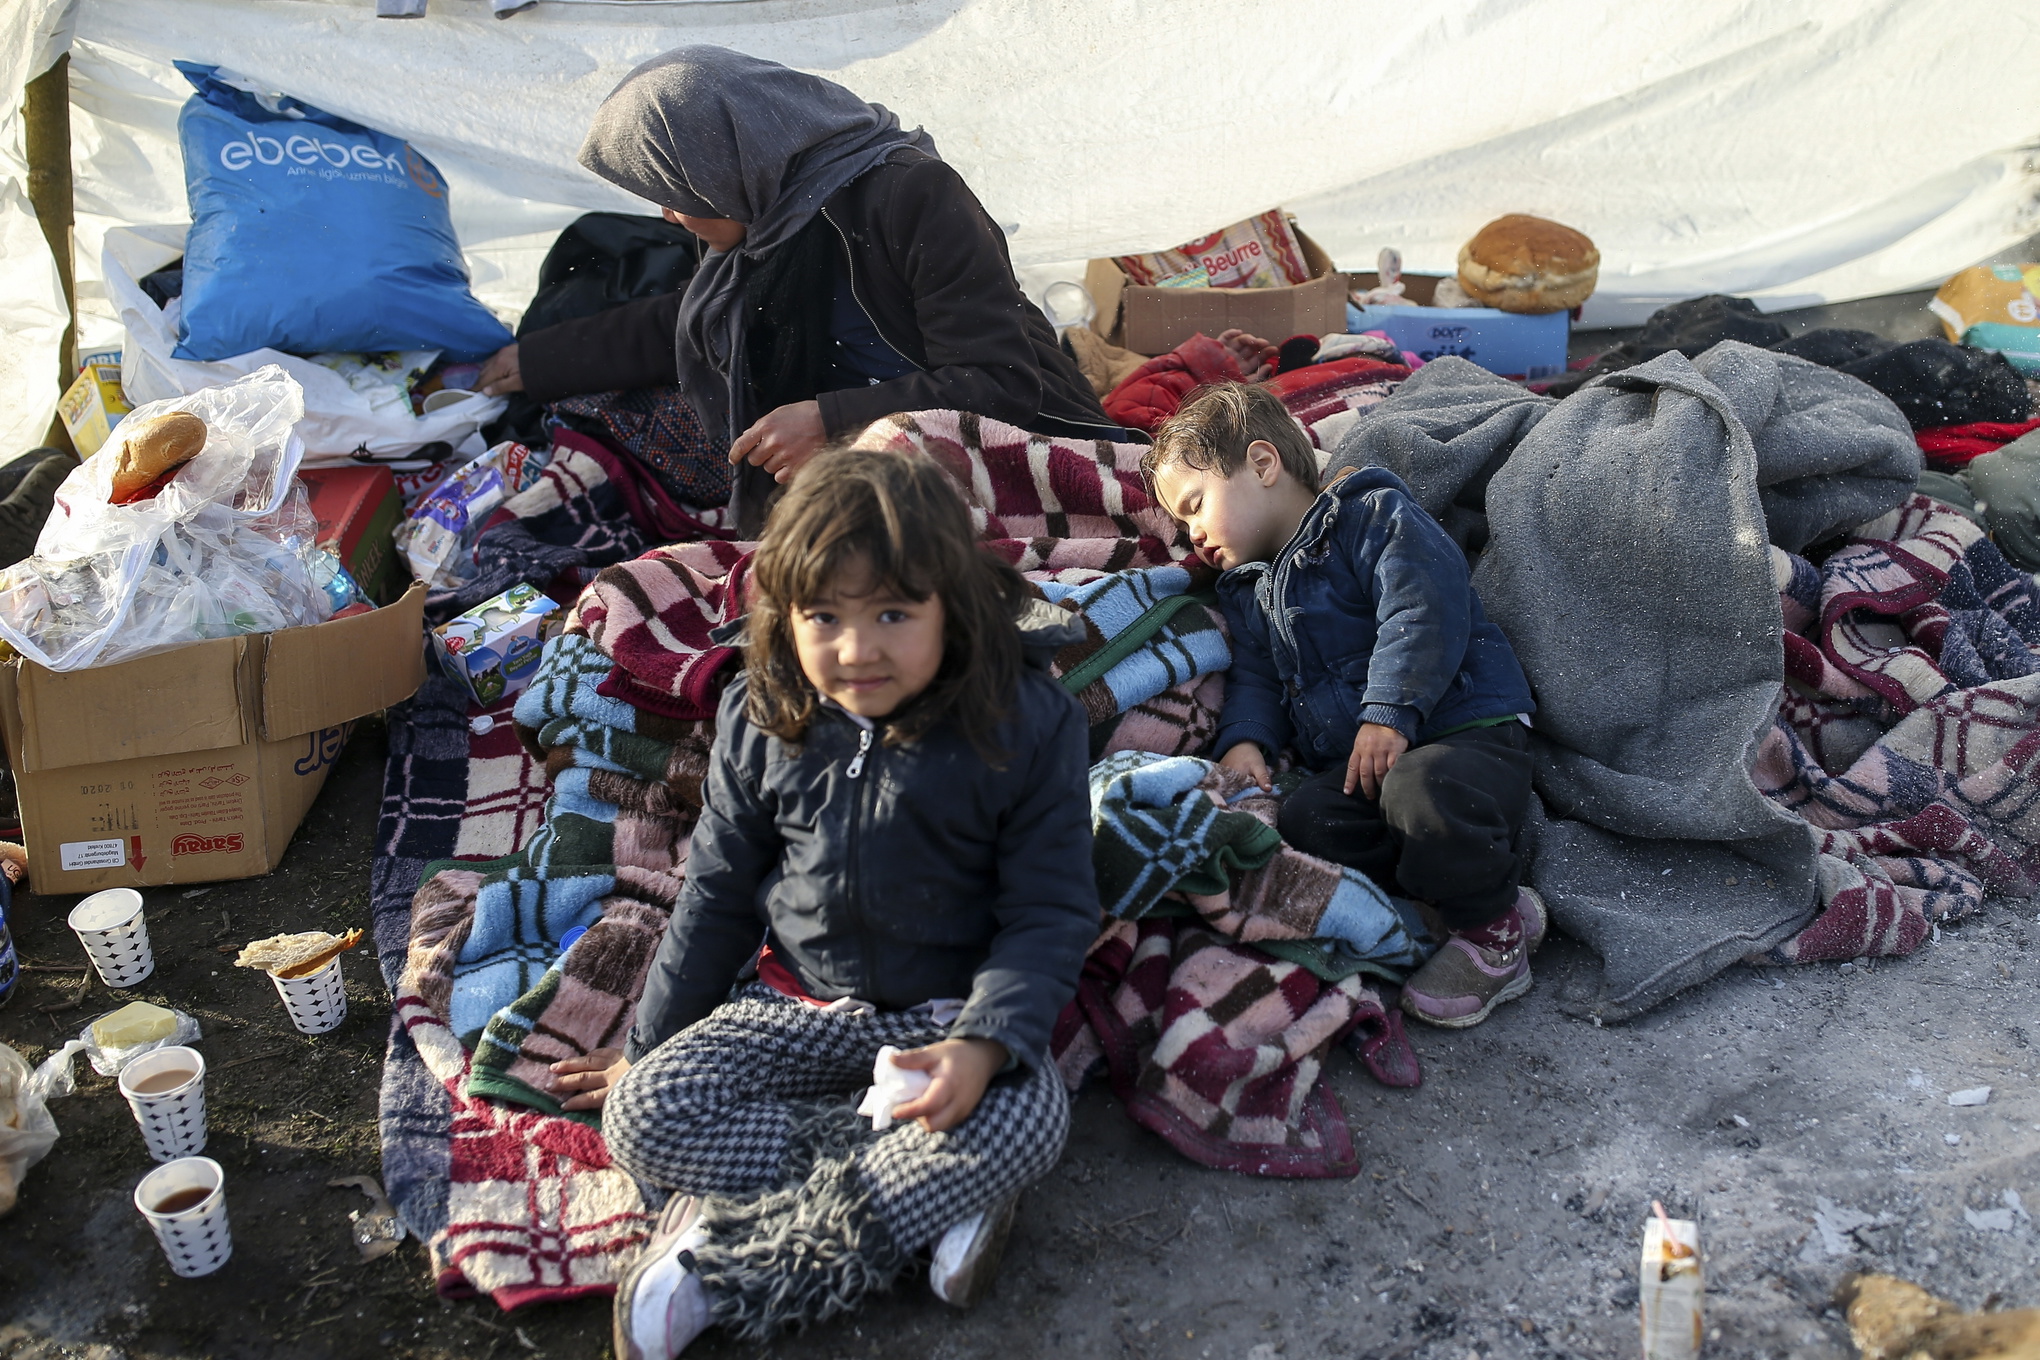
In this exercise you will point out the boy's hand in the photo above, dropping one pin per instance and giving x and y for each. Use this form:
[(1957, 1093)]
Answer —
[(1375, 749), (959, 1070), (593, 1075), (1246, 757)]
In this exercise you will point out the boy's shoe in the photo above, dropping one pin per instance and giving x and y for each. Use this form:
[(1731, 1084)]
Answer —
[(1463, 982), (660, 1305), (967, 1258)]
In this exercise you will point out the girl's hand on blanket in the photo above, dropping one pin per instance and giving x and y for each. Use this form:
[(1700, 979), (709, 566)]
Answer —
[(1375, 749), (783, 440), (592, 1076), (959, 1070), (1246, 757)]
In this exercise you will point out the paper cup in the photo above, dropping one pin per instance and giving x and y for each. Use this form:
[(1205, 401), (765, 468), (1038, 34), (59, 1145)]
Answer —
[(194, 1235), (110, 926), (316, 1003), (173, 1119)]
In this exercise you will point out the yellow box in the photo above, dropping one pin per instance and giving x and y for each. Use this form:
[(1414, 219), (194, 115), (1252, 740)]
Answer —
[(92, 405)]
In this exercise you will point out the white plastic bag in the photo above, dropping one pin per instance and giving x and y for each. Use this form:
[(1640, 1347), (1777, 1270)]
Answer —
[(228, 546), (340, 419), (26, 1130)]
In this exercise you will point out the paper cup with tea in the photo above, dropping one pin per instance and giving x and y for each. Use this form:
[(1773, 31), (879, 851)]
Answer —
[(185, 1203), (109, 924), (166, 1091)]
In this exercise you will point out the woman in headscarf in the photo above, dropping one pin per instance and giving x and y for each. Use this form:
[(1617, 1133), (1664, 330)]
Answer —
[(850, 274)]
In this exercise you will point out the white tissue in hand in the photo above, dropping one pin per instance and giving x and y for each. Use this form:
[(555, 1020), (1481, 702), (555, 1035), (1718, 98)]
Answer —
[(891, 1086)]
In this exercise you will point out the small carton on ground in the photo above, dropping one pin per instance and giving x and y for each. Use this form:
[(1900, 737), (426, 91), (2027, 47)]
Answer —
[(494, 648), (1670, 1290), (195, 765), (1154, 320), (91, 406), (358, 509)]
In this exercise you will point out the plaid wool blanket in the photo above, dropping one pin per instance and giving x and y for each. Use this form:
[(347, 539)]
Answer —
[(1205, 834), (1908, 733), (1216, 1047)]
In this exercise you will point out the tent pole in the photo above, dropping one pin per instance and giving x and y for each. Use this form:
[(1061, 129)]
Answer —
[(46, 119)]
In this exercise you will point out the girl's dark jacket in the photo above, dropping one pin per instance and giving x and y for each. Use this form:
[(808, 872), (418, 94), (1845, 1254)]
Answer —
[(895, 874), (929, 268)]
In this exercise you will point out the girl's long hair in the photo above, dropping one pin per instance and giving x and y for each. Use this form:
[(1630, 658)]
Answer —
[(899, 516)]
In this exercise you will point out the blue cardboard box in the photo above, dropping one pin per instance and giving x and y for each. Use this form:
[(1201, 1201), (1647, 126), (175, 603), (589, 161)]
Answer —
[(1507, 343)]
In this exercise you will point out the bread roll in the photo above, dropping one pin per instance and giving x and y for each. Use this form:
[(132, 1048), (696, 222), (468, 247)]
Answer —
[(153, 447), (1528, 264)]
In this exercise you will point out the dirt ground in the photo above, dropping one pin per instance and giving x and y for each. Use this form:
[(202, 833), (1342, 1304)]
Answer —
[(1801, 1115)]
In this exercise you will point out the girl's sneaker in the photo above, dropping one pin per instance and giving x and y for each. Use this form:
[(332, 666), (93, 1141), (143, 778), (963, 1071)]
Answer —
[(1462, 983), (967, 1258), (660, 1304)]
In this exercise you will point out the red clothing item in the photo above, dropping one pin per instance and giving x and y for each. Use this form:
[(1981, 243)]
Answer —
[(1953, 446), (1152, 392)]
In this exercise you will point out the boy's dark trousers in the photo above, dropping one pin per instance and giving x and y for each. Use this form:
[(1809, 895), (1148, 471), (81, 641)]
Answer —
[(1446, 829)]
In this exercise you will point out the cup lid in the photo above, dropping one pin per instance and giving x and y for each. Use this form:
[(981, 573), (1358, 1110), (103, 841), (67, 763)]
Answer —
[(106, 910)]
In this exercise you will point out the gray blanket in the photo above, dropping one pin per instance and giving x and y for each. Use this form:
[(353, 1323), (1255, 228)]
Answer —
[(1626, 532)]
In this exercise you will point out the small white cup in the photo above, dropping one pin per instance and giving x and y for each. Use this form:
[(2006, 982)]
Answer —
[(194, 1235), (109, 924), (316, 1003), (172, 1120)]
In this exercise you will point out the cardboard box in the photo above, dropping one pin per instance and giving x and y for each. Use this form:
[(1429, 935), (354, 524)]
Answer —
[(91, 406), (358, 509), (197, 764), (1508, 343), (494, 648), (1155, 320)]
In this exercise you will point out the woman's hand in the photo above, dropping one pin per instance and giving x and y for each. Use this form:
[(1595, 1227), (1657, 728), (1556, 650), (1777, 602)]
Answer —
[(593, 1075), (782, 441), (1255, 356), (1246, 757), (501, 374), (1375, 749), (958, 1070)]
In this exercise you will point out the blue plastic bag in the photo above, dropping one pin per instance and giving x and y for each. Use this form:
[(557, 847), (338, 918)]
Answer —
[(310, 234)]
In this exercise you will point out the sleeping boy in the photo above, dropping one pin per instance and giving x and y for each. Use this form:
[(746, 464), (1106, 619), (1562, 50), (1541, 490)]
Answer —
[(1358, 641)]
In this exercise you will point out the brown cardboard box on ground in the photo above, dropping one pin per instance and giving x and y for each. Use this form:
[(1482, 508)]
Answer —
[(196, 764), (1155, 320)]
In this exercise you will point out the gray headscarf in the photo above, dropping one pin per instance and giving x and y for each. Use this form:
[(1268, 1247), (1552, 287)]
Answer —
[(713, 133)]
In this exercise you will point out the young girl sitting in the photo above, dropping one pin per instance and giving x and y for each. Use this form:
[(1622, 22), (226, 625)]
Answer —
[(896, 808)]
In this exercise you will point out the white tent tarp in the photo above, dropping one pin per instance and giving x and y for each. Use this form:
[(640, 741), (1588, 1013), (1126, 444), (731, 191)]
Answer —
[(1796, 151)]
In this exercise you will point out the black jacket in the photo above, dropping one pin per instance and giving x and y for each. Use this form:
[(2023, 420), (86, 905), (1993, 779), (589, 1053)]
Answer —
[(919, 872), (930, 269)]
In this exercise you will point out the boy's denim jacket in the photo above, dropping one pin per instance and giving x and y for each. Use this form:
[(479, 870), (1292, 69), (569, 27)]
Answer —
[(1366, 615)]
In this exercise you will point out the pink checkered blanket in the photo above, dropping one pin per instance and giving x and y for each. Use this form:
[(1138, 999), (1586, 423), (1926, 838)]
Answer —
[(1908, 733)]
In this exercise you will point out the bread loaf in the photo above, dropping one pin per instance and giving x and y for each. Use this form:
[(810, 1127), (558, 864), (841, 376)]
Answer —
[(153, 447), (1529, 264), (296, 956)]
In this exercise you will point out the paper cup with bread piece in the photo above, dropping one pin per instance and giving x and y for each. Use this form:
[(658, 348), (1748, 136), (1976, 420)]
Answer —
[(1531, 265), (306, 970)]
